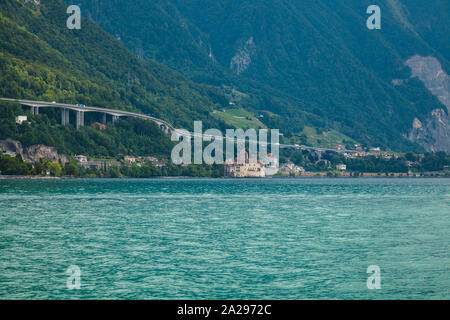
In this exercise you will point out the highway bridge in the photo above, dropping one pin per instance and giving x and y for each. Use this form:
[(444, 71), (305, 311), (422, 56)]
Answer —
[(81, 109), (164, 125)]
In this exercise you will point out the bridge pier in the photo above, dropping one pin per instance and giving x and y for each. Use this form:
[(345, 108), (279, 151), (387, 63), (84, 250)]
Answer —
[(164, 128), (35, 110), (115, 118), (65, 116), (104, 118), (80, 119)]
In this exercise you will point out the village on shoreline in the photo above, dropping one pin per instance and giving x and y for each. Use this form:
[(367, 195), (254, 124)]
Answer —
[(44, 161)]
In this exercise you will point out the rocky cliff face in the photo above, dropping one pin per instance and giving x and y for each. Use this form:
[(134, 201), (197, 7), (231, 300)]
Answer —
[(32, 153), (10, 145), (240, 62), (433, 133), (430, 72)]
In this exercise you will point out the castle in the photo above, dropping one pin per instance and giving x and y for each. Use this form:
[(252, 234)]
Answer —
[(248, 169)]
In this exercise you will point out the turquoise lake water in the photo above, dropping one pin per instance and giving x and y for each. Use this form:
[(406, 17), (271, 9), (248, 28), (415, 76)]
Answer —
[(225, 239)]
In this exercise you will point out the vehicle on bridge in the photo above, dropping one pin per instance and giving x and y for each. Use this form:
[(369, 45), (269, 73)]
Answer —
[(81, 105)]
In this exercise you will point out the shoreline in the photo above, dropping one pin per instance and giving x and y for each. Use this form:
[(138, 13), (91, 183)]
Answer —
[(228, 178)]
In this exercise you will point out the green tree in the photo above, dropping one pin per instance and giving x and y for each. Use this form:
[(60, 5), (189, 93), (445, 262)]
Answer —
[(54, 168), (71, 168)]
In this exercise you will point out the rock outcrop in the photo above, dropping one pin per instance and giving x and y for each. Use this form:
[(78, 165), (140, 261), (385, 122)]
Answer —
[(241, 61), (32, 153), (10, 145), (430, 72), (433, 133)]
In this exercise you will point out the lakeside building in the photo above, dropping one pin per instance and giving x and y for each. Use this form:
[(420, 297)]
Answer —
[(159, 163), (245, 170), (99, 126), (100, 165), (129, 160), (290, 168), (21, 119), (81, 159), (153, 160), (341, 167), (271, 165), (248, 169)]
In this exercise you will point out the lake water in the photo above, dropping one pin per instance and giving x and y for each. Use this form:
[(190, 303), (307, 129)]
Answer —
[(225, 239)]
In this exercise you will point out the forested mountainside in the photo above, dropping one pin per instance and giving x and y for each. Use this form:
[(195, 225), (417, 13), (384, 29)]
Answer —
[(41, 58), (300, 63)]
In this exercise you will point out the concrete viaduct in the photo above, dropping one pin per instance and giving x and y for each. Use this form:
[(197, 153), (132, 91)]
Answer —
[(80, 111)]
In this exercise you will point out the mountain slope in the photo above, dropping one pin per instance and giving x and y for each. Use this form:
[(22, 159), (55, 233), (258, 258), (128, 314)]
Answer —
[(41, 58), (299, 62)]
